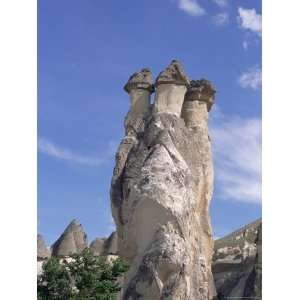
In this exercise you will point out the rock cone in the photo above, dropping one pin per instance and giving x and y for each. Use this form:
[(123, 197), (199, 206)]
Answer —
[(97, 246), (73, 240), (42, 251), (103, 246)]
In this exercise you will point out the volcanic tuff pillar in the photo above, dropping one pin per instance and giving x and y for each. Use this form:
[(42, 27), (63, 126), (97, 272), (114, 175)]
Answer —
[(139, 87), (197, 103), (171, 86), (161, 189)]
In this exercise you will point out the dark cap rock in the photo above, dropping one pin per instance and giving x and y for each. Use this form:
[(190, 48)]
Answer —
[(201, 90), (173, 74), (140, 80)]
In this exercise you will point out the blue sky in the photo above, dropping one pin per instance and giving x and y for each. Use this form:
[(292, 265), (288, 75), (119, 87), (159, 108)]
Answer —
[(86, 52)]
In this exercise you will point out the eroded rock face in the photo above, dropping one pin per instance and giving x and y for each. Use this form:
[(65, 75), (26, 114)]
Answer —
[(73, 240), (160, 193), (111, 244), (237, 263), (42, 251), (105, 246), (97, 246)]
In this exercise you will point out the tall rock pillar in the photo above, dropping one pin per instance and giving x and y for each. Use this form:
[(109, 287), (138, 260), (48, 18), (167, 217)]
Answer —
[(160, 193), (197, 103)]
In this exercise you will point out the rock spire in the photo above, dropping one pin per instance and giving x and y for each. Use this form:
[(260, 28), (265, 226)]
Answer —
[(73, 240), (171, 85), (160, 193), (105, 246), (198, 101), (42, 251)]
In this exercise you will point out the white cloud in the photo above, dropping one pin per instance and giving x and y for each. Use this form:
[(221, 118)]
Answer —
[(191, 7), (236, 146), (250, 20), (221, 3), (252, 78), (221, 19), (47, 147)]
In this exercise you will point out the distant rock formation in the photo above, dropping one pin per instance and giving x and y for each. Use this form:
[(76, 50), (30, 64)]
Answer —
[(42, 251), (162, 186), (73, 240), (105, 246), (111, 244), (237, 263), (97, 246)]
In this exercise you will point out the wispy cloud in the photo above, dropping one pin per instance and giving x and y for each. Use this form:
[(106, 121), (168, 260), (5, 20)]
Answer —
[(49, 148), (221, 19), (251, 78), (237, 157), (249, 20), (221, 3), (191, 7)]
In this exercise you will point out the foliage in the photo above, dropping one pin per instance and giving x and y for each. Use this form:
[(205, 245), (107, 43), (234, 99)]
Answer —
[(55, 282), (83, 277)]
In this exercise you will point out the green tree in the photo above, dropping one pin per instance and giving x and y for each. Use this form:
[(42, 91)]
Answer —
[(55, 282), (88, 277)]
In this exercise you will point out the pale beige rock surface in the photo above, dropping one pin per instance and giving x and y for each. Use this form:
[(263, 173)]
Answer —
[(171, 85), (139, 87), (160, 193)]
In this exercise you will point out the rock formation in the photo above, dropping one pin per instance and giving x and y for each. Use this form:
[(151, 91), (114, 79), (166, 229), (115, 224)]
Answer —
[(97, 246), (171, 85), (111, 244), (42, 251), (104, 247), (73, 240), (237, 263), (162, 186)]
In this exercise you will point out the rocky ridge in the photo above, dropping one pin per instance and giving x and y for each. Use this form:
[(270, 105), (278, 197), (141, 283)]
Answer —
[(237, 263)]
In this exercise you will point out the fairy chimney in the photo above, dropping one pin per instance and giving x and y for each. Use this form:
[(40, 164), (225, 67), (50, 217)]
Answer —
[(160, 194), (139, 87), (198, 101), (171, 85)]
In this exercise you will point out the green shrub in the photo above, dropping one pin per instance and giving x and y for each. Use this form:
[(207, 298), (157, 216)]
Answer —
[(84, 277)]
